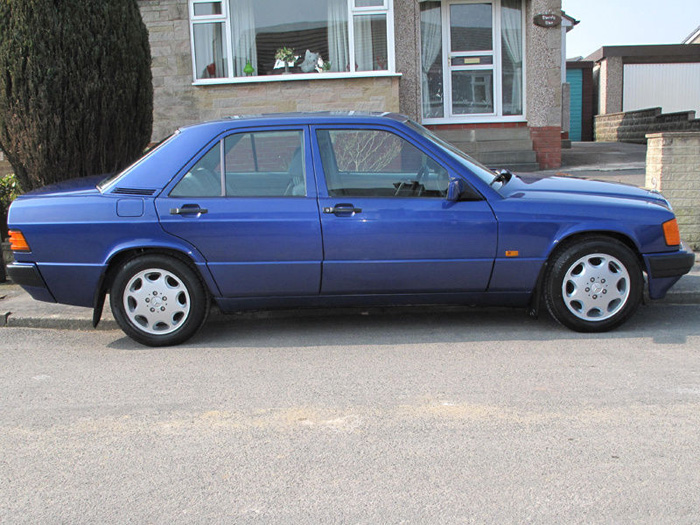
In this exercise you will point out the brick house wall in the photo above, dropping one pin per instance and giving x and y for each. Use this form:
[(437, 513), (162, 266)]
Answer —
[(177, 102)]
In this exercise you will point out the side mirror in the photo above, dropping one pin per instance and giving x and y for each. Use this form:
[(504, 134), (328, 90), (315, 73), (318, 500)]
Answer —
[(455, 189)]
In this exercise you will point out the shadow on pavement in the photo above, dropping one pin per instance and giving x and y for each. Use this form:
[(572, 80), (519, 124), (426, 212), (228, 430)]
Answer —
[(662, 324)]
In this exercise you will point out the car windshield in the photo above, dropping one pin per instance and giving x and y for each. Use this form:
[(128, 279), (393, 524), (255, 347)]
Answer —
[(109, 181), (474, 166)]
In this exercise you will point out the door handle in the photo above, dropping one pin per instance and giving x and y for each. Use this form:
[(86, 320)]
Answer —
[(342, 209), (188, 209)]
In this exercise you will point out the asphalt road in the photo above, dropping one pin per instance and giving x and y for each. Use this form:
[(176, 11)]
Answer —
[(441, 417)]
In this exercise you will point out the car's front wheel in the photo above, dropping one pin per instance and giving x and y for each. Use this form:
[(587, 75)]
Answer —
[(158, 300), (594, 285)]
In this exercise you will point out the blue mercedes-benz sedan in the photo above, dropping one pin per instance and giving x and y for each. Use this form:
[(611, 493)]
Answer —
[(337, 209)]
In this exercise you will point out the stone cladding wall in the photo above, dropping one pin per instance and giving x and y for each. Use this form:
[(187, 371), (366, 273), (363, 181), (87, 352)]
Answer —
[(177, 102), (673, 167), (634, 126)]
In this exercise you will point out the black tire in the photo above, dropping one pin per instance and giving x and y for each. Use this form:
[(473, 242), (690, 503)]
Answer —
[(158, 300), (593, 285)]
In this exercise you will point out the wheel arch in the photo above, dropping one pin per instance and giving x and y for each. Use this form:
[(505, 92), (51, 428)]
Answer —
[(579, 236), (121, 256), (569, 239)]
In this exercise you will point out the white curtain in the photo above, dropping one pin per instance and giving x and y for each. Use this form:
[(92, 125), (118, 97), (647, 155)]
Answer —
[(513, 46), (243, 36), (338, 52), (208, 50), (431, 44), (364, 52)]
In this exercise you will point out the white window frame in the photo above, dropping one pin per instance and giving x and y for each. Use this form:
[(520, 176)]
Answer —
[(387, 9), (497, 68), (209, 19)]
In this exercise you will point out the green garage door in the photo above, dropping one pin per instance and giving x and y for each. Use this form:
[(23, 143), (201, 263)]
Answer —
[(574, 77)]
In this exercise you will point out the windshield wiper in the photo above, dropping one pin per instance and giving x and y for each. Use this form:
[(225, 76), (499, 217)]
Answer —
[(502, 176)]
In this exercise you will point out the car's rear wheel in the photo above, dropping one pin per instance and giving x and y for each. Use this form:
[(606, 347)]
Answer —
[(594, 285), (158, 300)]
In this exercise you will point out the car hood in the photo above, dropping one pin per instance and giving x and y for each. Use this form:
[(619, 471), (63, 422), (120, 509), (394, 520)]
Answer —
[(560, 187), (84, 185)]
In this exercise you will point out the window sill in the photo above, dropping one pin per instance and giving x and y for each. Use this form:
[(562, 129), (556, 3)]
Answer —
[(294, 76), (474, 119)]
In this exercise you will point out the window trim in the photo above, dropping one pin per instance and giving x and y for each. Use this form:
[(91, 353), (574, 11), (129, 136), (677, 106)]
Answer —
[(321, 177), (223, 18), (387, 9), (220, 140)]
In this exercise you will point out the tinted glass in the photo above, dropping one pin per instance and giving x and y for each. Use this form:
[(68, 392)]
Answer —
[(373, 163), (204, 179), (265, 164)]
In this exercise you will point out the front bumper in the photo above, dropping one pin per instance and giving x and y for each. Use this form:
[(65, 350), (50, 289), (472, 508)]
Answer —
[(28, 277), (670, 264), (665, 269)]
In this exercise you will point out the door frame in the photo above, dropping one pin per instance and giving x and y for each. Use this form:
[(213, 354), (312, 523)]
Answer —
[(497, 69)]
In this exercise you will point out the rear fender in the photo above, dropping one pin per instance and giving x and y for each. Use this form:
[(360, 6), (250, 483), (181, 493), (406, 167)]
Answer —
[(126, 251)]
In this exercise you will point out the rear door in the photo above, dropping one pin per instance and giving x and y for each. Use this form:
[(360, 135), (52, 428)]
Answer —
[(387, 227), (249, 206)]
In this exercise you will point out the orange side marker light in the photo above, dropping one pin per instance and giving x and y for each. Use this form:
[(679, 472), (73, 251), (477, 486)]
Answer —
[(512, 253), (17, 242), (671, 233)]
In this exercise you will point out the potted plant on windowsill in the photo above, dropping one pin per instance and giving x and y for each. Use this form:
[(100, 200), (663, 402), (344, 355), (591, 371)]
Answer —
[(286, 56)]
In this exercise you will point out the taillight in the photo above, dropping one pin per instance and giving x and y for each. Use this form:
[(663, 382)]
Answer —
[(17, 242), (671, 233)]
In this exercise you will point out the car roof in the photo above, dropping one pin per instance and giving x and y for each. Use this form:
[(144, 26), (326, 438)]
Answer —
[(311, 117), (153, 173)]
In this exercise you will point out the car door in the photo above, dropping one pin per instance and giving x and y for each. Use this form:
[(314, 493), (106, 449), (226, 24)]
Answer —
[(249, 206), (387, 226)]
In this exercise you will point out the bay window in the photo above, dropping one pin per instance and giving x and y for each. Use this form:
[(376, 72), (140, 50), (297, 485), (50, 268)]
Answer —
[(233, 39)]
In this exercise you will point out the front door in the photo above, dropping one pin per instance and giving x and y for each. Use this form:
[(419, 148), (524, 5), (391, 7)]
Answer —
[(386, 225), (470, 61)]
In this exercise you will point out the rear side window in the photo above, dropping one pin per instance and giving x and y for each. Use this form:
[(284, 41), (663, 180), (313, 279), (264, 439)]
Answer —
[(265, 164), (256, 164), (204, 179), (376, 163)]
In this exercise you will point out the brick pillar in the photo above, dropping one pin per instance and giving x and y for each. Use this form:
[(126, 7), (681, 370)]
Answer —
[(546, 141), (673, 167)]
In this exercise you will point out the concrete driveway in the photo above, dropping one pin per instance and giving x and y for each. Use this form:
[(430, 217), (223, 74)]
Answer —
[(607, 161)]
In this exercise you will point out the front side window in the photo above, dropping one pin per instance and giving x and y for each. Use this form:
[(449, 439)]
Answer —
[(249, 38), (375, 163), (259, 164)]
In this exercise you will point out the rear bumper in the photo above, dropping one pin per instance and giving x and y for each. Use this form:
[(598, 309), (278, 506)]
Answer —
[(28, 277), (670, 265)]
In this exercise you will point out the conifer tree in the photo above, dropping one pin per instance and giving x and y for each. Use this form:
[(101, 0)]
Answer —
[(76, 94)]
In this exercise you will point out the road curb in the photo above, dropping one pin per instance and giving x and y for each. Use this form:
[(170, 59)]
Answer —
[(57, 324), (216, 317)]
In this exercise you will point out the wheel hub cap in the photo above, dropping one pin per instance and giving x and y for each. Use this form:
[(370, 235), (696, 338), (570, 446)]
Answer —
[(156, 301), (596, 287)]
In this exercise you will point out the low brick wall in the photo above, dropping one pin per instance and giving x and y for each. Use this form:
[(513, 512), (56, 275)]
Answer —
[(546, 141), (634, 126), (673, 167)]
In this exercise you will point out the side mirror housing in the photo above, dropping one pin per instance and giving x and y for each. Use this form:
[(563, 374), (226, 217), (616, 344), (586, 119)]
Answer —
[(455, 189)]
